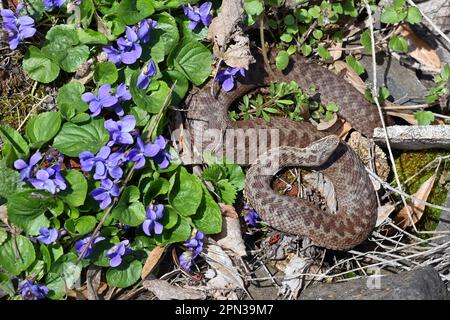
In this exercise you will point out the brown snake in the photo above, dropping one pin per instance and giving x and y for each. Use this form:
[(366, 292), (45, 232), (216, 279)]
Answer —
[(300, 144)]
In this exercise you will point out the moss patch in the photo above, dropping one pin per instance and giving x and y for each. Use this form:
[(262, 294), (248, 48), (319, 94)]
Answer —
[(409, 164), (14, 109)]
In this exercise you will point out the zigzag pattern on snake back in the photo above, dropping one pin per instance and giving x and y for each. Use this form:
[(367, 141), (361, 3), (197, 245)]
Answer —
[(300, 144)]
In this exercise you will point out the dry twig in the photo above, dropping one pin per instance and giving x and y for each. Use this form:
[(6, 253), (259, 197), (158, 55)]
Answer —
[(375, 98)]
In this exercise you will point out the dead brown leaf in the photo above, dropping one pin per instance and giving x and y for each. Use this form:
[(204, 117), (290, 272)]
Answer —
[(350, 75), (341, 128), (238, 54), (416, 208), (93, 281), (3, 214), (82, 293), (102, 26), (383, 213), (325, 125), (370, 154), (231, 236), (419, 49), (335, 51), (228, 211), (152, 261), (408, 117)]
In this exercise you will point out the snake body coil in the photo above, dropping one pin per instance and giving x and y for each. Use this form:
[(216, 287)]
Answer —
[(300, 144)]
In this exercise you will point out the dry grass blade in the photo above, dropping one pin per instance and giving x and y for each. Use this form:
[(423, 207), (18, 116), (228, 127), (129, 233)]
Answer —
[(416, 208), (375, 98), (152, 261)]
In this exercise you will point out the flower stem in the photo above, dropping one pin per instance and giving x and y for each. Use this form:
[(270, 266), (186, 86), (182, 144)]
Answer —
[(263, 43)]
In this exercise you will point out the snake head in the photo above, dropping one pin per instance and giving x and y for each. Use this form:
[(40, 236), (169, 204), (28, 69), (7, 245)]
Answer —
[(322, 149)]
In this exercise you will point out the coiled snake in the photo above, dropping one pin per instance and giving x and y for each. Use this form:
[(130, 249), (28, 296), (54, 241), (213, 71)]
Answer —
[(300, 144)]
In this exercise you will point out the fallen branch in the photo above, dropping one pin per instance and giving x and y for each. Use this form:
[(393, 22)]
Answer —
[(414, 137)]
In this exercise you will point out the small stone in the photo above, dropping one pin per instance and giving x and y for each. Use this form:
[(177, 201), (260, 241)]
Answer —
[(401, 81), (423, 283)]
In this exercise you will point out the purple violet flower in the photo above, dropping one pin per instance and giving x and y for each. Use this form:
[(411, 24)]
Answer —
[(115, 253), (228, 77), (119, 131), (104, 162), (198, 15), (141, 150), (49, 179), (129, 50), (157, 151), (9, 20), (51, 4), (252, 218), (114, 55), (195, 244), (186, 259), (195, 247), (18, 29), (81, 244), (143, 29), (29, 290), (103, 99), (144, 78), (104, 193), (20, 6), (27, 169), (154, 213), (47, 236), (137, 154), (122, 94)]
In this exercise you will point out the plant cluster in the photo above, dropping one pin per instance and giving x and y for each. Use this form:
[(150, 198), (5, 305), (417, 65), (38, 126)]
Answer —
[(95, 182), (284, 99)]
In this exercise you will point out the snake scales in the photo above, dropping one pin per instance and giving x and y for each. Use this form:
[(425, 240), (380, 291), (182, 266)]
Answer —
[(300, 144)]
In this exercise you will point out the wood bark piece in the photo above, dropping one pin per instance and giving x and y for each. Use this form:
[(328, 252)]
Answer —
[(231, 236), (230, 43), (415, 137), (165, 291)]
